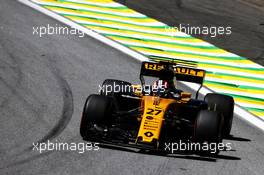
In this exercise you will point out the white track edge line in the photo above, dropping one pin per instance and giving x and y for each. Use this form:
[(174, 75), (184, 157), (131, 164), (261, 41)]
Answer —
[(242, 113)]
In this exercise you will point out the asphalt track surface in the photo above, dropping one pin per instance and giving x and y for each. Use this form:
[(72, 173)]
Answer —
[(43, 86)]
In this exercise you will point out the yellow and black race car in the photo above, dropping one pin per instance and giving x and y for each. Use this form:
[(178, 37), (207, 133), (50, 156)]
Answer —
[(147, 116)]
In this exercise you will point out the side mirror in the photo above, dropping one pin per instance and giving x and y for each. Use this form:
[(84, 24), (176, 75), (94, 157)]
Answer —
[(186, 96)]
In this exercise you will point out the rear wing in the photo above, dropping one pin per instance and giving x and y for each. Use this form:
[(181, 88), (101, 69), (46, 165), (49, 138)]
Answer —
[(182, 73), (189, 74)]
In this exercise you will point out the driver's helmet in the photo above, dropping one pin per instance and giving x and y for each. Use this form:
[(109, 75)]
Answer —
[(160, 87)]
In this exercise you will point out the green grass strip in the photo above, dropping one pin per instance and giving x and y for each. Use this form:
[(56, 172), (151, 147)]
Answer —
[(105, 13), (115, 22), (236, 86), (166, 42), (215, 64), (94, 5), (236, 76), (255, 109), (116, 28), (254, 99), (217, 58)]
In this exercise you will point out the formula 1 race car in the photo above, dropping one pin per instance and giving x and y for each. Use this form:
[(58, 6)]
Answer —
[(146, 117)]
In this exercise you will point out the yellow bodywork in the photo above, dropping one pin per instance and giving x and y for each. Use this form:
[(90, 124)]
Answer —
[(152, 118)]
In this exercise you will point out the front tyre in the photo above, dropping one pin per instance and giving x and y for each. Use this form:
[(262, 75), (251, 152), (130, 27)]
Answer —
[(97, 109), (208, 128)]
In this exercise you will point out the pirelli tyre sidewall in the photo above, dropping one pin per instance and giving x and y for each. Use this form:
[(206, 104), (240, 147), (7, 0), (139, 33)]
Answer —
[(97, 109), (224, 105)]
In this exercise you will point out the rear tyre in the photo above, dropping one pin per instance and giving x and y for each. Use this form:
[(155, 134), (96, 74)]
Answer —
[(224, 105), (97, 109)]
